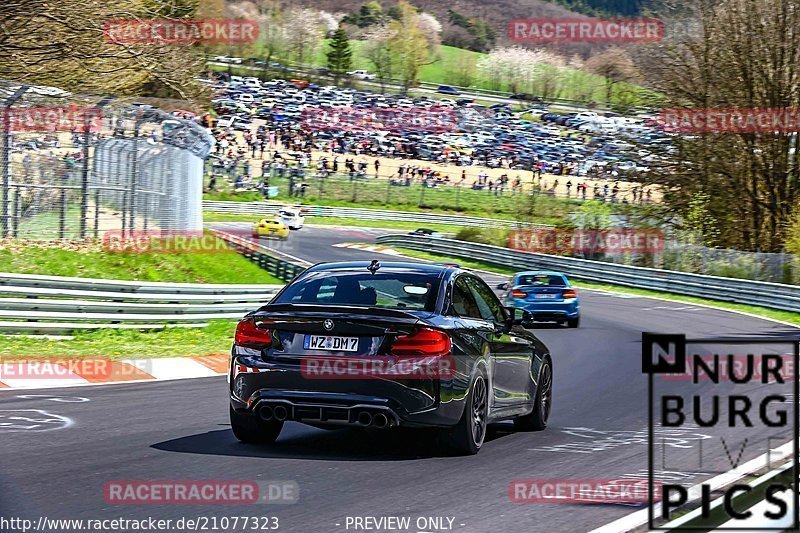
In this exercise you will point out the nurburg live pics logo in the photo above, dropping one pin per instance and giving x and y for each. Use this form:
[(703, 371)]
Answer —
[(666, 355)]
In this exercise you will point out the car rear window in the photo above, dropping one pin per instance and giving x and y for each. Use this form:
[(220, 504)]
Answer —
[(393, 290), (542, 279)]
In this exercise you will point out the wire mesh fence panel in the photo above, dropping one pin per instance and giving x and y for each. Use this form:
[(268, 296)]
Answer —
[(74, 166)]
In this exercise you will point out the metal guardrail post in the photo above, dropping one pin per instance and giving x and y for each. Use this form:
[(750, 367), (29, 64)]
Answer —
[(124, 212), (87, 136), (16, 214), (5, 157), (96, 213), (134, 174), (62, 217)]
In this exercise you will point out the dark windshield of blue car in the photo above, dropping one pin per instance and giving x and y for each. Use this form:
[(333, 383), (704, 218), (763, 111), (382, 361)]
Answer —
[(542, 279), (392, 290)]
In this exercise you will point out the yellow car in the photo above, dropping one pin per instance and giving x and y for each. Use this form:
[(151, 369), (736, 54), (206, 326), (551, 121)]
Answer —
[(270, 227)]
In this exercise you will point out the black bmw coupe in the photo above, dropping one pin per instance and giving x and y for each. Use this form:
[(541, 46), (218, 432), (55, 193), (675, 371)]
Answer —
[(388, 345)]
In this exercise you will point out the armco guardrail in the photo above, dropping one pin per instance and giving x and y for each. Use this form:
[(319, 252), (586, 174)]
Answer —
[(34, 304), (267, 208), (760, 293), (261, 256), (94, 284)]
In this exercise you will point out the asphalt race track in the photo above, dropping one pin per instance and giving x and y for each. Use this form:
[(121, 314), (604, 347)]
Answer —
[(179, 431)]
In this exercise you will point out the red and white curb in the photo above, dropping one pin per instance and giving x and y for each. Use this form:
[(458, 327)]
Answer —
[(47, 374), (368, 248)]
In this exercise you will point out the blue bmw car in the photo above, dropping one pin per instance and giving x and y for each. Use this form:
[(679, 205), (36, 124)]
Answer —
[(548, 296)]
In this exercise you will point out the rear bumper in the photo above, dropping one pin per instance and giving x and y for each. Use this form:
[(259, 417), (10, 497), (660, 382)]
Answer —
[(404, 402), (545, 312), (322, 408)]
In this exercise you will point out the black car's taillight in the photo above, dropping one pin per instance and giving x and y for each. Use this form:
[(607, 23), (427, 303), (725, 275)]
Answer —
[(249, 335), (424, 342)]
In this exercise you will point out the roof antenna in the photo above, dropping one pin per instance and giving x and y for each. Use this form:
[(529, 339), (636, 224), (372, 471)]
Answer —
[(374, 266)]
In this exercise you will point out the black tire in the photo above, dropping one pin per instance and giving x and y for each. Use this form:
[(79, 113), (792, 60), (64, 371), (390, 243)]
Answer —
[(574, 322), (536, 420), (466, 437), (252, 430)]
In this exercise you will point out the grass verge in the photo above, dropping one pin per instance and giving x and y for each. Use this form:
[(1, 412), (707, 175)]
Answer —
[(774, 314), (93, 261), (216, 338)]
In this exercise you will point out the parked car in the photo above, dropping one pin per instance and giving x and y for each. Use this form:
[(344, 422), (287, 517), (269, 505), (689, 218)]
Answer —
[(448, 89), (361, 75)]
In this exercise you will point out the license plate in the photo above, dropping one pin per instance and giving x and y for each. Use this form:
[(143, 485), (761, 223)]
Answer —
[(545, 296), (334, 344)]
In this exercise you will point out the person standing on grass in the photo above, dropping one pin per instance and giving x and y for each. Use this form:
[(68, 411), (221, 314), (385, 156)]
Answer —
[(377, 166)]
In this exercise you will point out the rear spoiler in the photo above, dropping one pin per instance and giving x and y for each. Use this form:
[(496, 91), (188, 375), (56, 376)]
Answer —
[(314, 309)]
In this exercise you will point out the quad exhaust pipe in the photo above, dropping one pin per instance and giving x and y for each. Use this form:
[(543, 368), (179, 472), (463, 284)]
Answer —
[(280, 412), (377, 421), (380, 421), (364, 418)]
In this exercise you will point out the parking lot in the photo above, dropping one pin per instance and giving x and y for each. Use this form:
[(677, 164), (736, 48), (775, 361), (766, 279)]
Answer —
[(454, 140)]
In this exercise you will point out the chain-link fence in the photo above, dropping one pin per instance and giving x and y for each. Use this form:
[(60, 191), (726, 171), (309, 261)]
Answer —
[(75, 166), (395, 186)]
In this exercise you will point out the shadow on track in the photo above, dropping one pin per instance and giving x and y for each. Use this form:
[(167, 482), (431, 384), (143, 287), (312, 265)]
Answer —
[(302, 442)]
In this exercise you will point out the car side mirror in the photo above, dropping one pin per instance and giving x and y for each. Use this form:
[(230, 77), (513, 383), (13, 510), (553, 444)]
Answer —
[(503, 286), (519, 317)]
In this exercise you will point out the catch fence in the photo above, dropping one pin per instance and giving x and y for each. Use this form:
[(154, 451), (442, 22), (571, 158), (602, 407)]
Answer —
[(73, 166)]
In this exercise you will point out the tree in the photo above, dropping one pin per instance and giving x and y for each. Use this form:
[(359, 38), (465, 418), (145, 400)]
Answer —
[(303, 32), (378, 51), (369, 14), (63, 44), (614, 65), (272, 34), (518, 67), (744, 55), (340, 55), (464, 70), (411, 46)]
